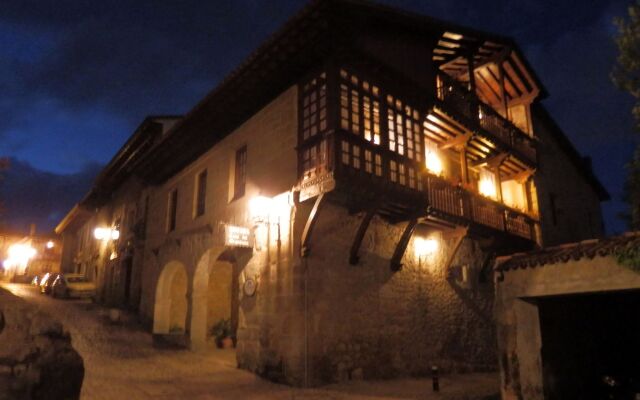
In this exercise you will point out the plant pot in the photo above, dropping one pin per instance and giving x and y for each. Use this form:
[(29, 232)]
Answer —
[(227, 343)]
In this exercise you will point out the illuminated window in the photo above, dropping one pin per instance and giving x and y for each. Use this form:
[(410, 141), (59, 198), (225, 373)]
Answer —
[(314, 159), (368, 161), (345, 153), (356, 157), (393, 171), (378, 164), (359, 107), (412, 178), (401, 174), (201, 193), (405, 131), (432, 157), (487, 184), (314, 107), (172, 209), (240, 177)]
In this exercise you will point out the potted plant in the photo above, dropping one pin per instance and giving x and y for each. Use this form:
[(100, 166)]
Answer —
[(221, 331)]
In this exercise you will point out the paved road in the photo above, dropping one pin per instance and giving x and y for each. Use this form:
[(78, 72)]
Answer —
[(120, 363)]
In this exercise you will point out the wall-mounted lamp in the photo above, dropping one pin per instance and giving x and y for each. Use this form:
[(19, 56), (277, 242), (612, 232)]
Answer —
[(106, 234), (425, 246), (50, 244), (270, 210)]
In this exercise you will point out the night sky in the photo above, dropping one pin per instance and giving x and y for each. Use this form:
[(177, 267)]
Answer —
[(77, 77)]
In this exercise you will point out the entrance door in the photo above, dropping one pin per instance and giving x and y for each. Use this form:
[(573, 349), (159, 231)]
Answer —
[(586, 338)]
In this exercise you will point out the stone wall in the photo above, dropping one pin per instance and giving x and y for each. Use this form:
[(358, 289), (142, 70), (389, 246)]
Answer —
[(366, 321), (37, 360), (569, 206), (517, 316)]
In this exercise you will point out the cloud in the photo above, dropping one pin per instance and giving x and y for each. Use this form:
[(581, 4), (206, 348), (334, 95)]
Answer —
[(30, 195)]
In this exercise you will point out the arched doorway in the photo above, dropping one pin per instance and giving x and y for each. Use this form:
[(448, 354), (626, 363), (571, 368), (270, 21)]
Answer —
[(170, 311), (215, 296)]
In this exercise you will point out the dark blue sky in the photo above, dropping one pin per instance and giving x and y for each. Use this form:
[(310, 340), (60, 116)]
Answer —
[(77, 77)]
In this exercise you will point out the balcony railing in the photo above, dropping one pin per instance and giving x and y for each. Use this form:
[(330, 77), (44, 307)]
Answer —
[(440, 197), (467, 105)]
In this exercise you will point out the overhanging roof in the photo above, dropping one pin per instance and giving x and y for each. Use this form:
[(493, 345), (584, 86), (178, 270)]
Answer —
[(568, 252), (304, 42)]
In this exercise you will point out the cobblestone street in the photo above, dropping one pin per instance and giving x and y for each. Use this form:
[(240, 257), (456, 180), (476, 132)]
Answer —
[(120, 363)]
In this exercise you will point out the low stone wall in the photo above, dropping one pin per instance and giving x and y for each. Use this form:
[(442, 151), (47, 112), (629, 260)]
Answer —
[(37, 360)]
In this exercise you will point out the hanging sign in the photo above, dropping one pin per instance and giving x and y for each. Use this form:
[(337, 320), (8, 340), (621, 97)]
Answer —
[(317, 185), (237, 236)]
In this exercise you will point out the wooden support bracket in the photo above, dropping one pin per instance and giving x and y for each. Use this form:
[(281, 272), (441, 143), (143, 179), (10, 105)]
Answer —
[(491, 162), (401, 247), (460, 140), (308, 228), (520, 177), (362, 229), (457, 234)]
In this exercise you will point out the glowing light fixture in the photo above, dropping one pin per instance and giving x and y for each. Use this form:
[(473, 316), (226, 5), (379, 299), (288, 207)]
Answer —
[(50, 244), (106, 234), (265, 209), (259, 208), (425, 246)]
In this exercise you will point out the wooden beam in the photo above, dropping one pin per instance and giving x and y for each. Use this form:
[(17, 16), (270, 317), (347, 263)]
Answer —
[(503, 91), (464, 165), (460, 140), (520, 177), (457, 235), (491, 162), (362, 229), (401, 247), (308, 228)]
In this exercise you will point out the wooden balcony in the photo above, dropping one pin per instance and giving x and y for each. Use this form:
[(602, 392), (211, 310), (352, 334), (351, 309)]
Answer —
[(402, 197), (467, 109), (365, 145)]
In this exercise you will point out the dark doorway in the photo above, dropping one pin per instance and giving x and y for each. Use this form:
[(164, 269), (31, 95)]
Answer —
[(588, 337)]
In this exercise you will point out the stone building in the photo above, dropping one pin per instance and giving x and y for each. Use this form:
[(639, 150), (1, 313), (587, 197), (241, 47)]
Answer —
[(339, 198), (567, 319)]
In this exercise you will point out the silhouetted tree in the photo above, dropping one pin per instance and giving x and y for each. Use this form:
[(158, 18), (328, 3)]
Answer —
[(626, 75)]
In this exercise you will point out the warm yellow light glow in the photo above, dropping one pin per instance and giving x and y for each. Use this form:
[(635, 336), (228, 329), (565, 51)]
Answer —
[(106, 234), (259, 207), (50, 244), (19, 255), (264, 209), (433, 162), (487, 184), (425, 246), (487, 188)]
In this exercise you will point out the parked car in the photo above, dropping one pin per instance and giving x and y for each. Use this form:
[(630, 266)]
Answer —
[(72, 285), (46, 281)]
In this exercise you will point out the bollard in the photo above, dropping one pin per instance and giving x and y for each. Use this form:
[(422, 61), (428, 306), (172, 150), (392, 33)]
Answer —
[(435, 379)]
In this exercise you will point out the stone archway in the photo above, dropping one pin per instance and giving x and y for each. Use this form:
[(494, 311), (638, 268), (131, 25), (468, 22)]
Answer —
[(170, 311), (212, 298)]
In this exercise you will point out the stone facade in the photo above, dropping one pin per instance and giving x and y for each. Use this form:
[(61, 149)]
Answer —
[(367, 321), (520, 291), (301, 313)]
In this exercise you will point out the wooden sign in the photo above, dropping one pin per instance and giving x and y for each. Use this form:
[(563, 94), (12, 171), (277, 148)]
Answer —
[(317, 185)]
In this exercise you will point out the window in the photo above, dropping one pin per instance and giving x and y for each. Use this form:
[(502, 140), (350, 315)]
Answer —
[(314, 107), (240, 177), (201, 194), (359, 107), (172, 208)]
